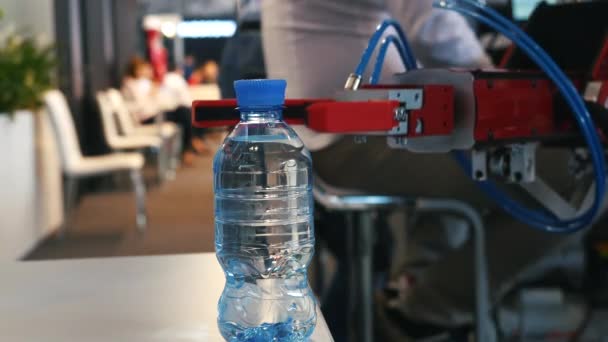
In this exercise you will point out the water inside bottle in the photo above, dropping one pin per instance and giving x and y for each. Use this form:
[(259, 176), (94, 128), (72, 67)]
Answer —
[(264, 234)]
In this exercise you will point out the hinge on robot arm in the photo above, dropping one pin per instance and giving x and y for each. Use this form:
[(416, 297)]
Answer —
[(515, 163), (409, 99)]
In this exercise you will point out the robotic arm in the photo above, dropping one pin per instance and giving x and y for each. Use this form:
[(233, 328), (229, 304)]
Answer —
[(500, 116)]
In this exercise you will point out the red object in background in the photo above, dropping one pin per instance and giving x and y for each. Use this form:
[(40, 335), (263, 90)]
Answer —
[(158, 54), (504, 60), (600, 68), (195, 79), (513, 109), (602, 97)]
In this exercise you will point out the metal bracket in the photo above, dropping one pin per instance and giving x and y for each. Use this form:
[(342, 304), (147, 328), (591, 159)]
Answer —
[(402, 116), (479, 163), (410, 99), (523, 163), (550, 199), (516, 163)]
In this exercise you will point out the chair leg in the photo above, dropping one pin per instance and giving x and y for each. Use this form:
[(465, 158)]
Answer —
[(168, 158), (119, 179), (140, 199), (71, 193), (161, 160), (171, 145), (169, 173), (177, 148)]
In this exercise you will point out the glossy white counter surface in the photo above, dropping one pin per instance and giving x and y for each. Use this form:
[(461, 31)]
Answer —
[(152, 298)]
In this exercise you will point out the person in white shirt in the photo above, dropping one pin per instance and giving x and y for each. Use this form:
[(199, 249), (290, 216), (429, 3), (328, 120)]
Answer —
[(148, 100), (175, 85)]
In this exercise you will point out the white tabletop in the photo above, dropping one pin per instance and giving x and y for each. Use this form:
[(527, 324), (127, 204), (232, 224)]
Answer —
[(153, 298)]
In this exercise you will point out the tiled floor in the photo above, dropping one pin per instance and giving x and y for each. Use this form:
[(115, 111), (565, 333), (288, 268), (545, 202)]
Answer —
[(180, 214)]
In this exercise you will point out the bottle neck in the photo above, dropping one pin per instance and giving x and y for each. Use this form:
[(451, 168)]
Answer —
[(258, 113)]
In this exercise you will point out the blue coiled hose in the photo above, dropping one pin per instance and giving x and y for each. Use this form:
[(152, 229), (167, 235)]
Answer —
[(386, 43), (538, 219), (541, 220), (408, 59)]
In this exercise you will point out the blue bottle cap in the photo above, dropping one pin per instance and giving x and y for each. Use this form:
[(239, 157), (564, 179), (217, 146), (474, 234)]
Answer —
[(264, 93)]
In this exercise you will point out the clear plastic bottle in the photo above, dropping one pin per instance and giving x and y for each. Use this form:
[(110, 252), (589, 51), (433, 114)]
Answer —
[(264, 234)]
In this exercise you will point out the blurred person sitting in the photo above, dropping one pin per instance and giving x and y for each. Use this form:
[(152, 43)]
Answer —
[(211, 72), (203, 83), (176, 86), (208, 73), (148, 101)]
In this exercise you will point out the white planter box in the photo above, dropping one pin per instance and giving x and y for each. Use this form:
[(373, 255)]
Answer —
[(31, 196)]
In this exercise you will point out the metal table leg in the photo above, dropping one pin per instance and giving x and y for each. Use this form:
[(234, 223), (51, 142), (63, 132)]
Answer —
[(360, 239), (484, 326)]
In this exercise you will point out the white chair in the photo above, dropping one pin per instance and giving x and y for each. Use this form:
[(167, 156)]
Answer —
[(115, 140), (169, 132), (129, 125), (76, 166), (118, 142)]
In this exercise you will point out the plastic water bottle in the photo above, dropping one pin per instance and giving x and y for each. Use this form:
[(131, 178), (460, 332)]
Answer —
[(264, 234)]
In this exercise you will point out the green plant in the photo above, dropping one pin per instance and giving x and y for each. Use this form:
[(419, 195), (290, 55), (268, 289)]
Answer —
[(26, 72)]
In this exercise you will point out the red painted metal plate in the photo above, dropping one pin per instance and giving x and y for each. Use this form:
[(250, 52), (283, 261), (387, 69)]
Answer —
[(513, 108)]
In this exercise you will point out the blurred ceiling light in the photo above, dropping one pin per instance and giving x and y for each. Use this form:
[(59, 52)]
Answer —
[(168, 29), (522, 9), (206, 29), (156, 21)]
